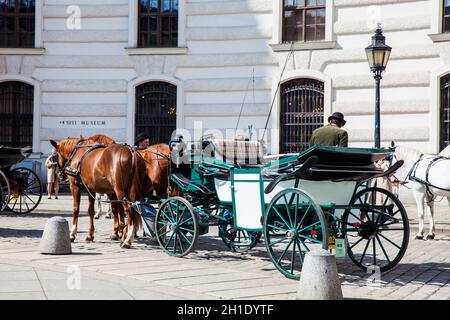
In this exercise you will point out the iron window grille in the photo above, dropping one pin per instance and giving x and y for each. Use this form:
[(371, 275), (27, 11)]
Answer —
[(302, 111), (16, 114)]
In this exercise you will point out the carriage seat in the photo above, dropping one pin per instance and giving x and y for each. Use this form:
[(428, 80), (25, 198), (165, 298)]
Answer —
[(240, 152), (188, 185)]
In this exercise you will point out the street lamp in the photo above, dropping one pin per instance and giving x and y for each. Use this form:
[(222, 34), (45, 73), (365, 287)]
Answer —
[(378, 55)]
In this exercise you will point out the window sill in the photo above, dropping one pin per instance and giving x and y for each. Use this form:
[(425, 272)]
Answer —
[(22, 51), (298, 46), (156, 51), (440, 37)]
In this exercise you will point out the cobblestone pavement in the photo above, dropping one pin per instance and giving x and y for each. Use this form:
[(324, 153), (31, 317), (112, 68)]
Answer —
[(211, 272)]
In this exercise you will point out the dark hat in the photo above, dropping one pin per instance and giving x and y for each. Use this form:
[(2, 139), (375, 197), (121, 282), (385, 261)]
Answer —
[(141, 136), (337, 116)]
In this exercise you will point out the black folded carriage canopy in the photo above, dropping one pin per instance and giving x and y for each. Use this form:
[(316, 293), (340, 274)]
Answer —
[(336, 163)]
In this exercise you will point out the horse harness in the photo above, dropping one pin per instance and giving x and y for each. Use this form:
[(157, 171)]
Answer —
[(412, 176), (76, 172)]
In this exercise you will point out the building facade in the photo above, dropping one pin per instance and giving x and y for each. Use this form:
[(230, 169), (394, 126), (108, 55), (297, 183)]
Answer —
[(117, 67)]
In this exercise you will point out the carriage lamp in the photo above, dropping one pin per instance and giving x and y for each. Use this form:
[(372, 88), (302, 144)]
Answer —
[(378, 56)]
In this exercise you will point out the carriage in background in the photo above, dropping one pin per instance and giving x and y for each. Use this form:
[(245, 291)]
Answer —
[(318, 198), (20, 188)]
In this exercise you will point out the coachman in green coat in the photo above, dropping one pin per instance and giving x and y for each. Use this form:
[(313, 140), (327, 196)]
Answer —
[(331, 135)]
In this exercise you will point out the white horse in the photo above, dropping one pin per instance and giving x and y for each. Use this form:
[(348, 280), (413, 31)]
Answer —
[(438, 178)]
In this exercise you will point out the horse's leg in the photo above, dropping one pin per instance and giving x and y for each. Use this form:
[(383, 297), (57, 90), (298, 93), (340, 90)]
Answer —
[(91, 212), (431, 235), (76, 194), (115, 212), (128, 234), (419, 197)]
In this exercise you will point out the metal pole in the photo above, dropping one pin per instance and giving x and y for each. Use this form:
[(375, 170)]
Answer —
[(377, 111)]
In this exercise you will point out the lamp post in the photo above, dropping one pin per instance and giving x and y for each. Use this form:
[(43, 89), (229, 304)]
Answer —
[(378, 56)]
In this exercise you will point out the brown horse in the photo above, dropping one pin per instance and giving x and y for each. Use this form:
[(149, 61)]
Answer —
[(157, 163), (114, 170)]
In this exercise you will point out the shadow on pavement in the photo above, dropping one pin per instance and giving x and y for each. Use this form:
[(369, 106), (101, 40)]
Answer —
[(20, 233)]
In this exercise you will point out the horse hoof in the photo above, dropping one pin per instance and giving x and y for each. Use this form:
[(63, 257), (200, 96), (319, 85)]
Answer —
[(72, 239), (430, 236), (114, 237), (96, 217), (418, 237), (90, 239), (125, 246)]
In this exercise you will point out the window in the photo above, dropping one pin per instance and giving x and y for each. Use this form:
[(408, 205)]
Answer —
[(446, 17), (16, 114), (445, 112), (17, 23), (158, 23), (303, 20), (302, 111), (156, 110)]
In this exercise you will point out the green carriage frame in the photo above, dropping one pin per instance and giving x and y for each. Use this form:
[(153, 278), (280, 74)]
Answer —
[(292, 221)]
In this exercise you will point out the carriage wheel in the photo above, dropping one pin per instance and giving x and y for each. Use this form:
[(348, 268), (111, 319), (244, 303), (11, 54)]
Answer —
[(5, 191), (176, 226), (26, 190), (377, 230), (294, 224), (235, 239)]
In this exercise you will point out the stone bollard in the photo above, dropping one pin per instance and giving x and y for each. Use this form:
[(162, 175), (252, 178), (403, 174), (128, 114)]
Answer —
[(56, 238), (319, 279)]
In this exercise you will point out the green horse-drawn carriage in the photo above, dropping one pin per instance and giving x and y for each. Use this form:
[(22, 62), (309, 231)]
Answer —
[(315, 199)]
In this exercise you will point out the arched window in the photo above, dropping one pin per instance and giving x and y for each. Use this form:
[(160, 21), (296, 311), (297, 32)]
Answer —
[(156, 110), (17, 23), (302, 105), (158, 23), (16, 114), (445, 112)]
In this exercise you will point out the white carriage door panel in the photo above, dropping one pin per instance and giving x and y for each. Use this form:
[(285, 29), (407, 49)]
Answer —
[(248, 205)]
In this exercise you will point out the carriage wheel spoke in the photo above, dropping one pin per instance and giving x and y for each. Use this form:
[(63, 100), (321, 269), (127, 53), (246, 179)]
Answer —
[(187, 230), (284, 252), (296, 210), (388, 240), (186, 238), (174, 250), (309, 238), (374, 252), (276, 242), (382, 249), (181, 215), (279, 214), (30, 199), (168, 242), (186, 221), (360, 239), (181, 243), (310, 226), (288, 210), (304, 244), (166, 216), (164, 233), (304, 215), (300, 251), (293, 258), (364, 253), (277, 228)]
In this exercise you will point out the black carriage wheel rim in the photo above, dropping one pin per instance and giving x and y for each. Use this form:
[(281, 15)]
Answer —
[(290, 231), (33, 188), (230, 234), (380, 248)]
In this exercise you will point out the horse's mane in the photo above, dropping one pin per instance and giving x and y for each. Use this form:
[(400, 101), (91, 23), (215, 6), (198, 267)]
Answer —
[(67, 145), (101, 138)]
